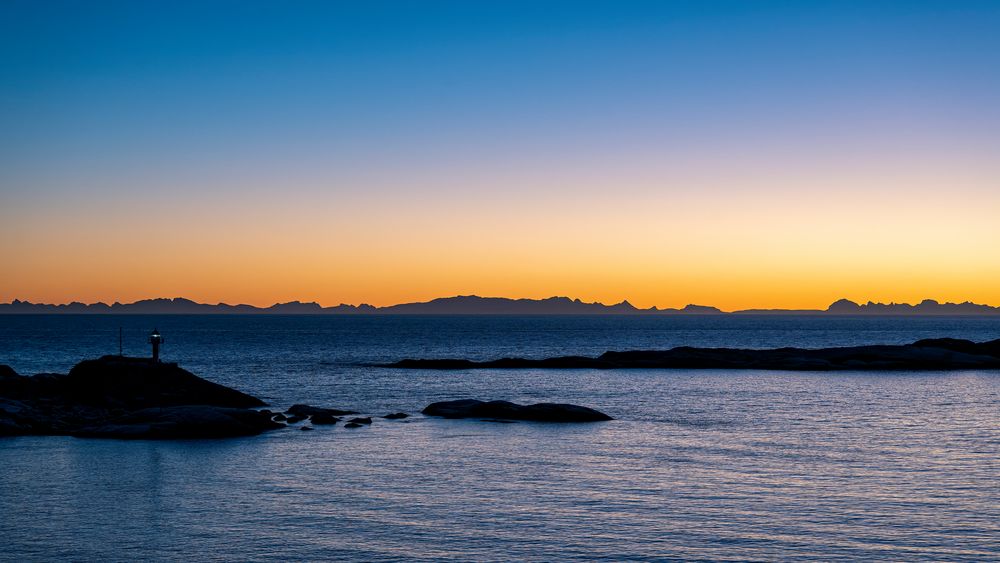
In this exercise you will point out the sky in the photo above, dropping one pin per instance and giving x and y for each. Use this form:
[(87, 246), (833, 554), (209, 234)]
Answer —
[(736, 154)]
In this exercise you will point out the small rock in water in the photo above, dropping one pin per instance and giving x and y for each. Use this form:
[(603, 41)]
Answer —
[(306, 428), (324, 419), (352, 425), (279, 418), (505, 410), (396, 415), (361, 420), (295, 419)]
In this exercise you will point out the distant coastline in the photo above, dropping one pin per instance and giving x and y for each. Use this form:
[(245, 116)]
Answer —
[(475, 305)]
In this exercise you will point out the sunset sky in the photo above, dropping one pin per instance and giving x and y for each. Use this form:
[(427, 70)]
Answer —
[(737, 154)]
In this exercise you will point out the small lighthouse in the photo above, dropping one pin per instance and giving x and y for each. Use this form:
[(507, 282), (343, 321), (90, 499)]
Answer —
[(156, 339)]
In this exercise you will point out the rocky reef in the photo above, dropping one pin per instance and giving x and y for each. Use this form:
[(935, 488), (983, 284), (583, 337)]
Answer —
[(136, 398), (931, 354), (121, 397)]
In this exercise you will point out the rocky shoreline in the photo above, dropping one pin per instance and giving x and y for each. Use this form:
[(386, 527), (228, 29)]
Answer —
[(136, 398), (930, 354)]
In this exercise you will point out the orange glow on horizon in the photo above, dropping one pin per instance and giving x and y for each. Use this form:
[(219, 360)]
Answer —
[(783, 251)]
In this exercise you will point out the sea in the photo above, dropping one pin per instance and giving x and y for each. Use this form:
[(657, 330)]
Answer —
[(698, 465)]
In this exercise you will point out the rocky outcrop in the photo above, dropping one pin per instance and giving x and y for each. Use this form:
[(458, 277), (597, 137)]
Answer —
[(119, 397), (935, 354), (133, 383), (504, 410)]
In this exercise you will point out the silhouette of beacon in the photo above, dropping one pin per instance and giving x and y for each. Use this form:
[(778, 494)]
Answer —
[(156, 339)]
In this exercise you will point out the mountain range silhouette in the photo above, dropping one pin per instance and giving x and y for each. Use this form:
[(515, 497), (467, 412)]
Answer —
[(475, 305)]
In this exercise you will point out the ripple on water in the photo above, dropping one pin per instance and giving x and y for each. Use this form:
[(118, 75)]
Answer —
[(707, 465)]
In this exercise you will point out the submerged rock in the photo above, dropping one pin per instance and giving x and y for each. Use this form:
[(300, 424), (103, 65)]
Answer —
[(361, 420), (353, 425), (307, 410), (396, 416), (504, 410)]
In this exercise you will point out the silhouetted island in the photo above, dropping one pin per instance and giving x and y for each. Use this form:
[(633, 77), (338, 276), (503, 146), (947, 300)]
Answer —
[(931, 354), (475, 305), (122, 397)]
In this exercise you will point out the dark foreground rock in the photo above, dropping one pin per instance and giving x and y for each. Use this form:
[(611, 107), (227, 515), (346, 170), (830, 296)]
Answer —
[(503, 410), (119, 397), (396, 416), (933, 354)]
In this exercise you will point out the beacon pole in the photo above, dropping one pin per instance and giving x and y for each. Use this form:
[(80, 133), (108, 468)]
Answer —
[(156, 339)]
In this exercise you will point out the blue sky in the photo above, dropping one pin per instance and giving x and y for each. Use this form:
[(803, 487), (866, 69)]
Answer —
[(224, 104)]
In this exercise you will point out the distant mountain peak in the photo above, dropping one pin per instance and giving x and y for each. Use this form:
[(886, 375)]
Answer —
[(477, 305), (701, 309), (843, 305)]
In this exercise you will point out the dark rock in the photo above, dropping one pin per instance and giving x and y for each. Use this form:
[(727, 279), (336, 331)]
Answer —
[(10, 425), (324, 419), (295, 419), (396, 416), (361, 420), (181, 422), (139, 383), (279, 418), (306, 428), (937, 354), (504, 410), (353, 425), (306, 410), (123, 397)]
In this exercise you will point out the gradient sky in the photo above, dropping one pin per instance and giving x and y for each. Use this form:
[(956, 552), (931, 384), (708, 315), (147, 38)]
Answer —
[(738, 154)]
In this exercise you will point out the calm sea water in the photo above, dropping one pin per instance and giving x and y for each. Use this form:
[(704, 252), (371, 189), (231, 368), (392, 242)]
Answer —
[(709, 465)]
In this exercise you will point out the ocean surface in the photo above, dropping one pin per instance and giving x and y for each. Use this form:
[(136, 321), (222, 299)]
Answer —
[(699, 465)]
